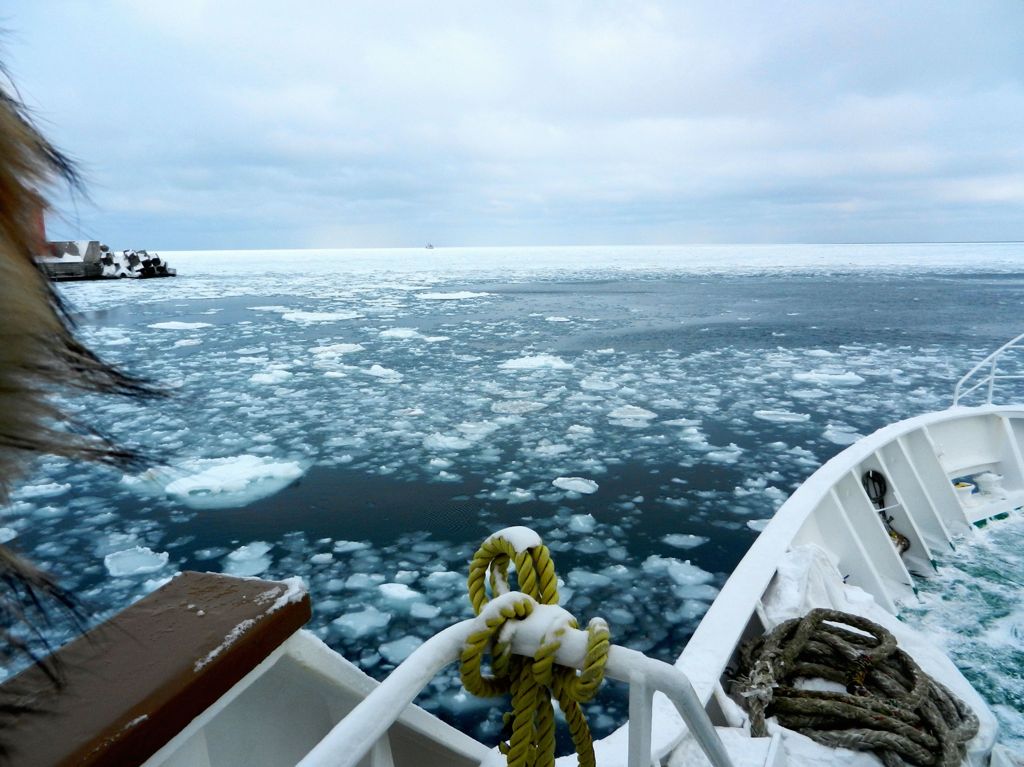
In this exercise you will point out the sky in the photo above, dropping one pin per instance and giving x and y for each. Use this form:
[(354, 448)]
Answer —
[(227, 124)]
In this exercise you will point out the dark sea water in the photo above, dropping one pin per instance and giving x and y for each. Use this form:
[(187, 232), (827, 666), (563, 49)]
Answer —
[(372, 461)]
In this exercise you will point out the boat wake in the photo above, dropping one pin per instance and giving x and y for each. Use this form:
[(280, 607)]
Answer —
[(974, 610)]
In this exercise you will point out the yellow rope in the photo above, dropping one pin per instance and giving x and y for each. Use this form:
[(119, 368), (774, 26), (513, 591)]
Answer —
[(532, 682)]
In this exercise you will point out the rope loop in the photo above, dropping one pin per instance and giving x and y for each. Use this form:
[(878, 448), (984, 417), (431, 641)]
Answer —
[(531, 682), (890, 706)]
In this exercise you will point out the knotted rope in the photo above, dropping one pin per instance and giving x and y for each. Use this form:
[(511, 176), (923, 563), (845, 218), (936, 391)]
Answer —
[(890, 706), (532, 682)]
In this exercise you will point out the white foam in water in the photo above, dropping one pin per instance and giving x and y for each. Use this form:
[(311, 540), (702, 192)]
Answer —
[(137, 560), (212, 483), (575, 484)]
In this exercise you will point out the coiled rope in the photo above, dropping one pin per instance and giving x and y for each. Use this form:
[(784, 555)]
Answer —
[(890, 706), (532, 682)]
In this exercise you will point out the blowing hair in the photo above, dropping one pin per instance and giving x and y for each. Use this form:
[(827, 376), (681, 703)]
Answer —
[(40, 357)]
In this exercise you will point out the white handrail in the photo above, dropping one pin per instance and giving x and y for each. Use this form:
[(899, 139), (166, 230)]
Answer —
[(361, 730), (990, 378)]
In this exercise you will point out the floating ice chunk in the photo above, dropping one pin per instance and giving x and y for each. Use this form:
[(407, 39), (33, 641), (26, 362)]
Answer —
[(781, 416), (398, 592), (359, 624), (217, 483), (577, 431), (517, 406), (46, 490), (594, 383), (582, 523), (274, 308), (358, 581), (575, 484), (631, 413), (840, 435), (345, 547), (681, 573), (684, 540), (458, 295), (311, 317), (187, 342), (758, 525), (135, 561), (536, 362), (477, 430), (826, 378), (270, 377), (549, 451), (323, 558), (180, 325), (385, 374), (7, 534), (248, 560), (438, 441), (400, 649), (518, 495), (401, 333), (582, 579), (705, 592), (729, 454), (424, 611), (557, 319), (335, 350)]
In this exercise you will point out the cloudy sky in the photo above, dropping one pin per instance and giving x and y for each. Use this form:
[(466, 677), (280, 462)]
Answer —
[(251, 124)]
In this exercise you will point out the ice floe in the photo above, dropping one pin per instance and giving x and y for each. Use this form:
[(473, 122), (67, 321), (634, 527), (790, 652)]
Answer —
[(210, 483), (575, 484), (137, 560), (536, 362), (249, 560), (782, 416), (175, 325), (457, 295)]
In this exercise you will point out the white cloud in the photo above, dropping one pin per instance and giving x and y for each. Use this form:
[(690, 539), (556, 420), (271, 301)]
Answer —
[(247, 124)]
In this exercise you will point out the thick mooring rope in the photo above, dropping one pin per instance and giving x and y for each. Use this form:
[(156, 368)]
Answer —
[(890, 706), (532, 682)]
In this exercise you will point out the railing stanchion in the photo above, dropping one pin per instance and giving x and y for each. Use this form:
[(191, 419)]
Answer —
[(641, 703)]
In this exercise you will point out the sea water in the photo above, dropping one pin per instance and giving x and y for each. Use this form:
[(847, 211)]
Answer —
[(364, 419)]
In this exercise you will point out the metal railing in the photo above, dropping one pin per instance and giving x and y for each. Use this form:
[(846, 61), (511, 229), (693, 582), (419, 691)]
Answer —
[(365, 729), (987, 373)]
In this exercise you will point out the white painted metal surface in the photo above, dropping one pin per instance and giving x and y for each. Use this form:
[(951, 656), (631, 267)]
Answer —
[(361, 730)]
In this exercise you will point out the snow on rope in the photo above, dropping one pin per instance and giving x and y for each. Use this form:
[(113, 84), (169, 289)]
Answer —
[(532, 682)]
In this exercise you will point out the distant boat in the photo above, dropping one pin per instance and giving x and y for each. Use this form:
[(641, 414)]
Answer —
[(429, 246)]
